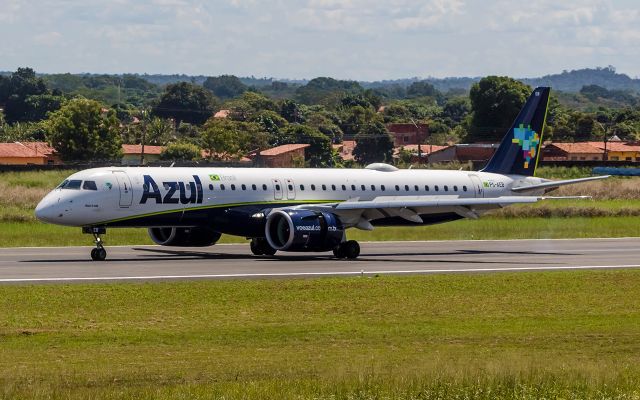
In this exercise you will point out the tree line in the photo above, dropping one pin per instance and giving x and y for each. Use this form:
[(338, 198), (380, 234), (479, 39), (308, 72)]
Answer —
[(89, 117)]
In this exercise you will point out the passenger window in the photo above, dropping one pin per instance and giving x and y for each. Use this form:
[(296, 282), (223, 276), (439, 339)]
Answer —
[(373, 187), (233, 186), (277, 186), (222, 186), (211, 186), (397, 188), (426, 188), (344, 187), (363, 188), (324, 187), (446, 188), (437, 189), (89, 185), (455, 188), (264, 186), (301, 187), (353, 187), (290, 186), (73, 184), (313, 187), (254, 187), (464, 188), (382, 187), (244, 187), (416, 188), (333, 187), (406, 188)]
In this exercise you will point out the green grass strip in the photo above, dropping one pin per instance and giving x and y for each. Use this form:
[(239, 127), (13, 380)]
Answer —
[(527, 335)]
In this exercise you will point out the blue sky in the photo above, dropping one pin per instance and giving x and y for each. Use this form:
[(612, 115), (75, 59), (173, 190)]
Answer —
[(350, 39)]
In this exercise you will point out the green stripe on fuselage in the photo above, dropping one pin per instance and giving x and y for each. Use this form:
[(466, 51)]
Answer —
[(249, 203)]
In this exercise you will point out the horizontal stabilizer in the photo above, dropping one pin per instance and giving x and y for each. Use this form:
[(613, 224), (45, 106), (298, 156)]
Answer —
[(555, 184)]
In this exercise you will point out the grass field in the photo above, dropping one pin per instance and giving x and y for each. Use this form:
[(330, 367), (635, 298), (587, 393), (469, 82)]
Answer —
[(526, 335)]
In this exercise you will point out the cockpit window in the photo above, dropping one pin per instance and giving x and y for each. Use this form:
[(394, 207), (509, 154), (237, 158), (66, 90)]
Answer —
[(63, 184), (73, 184), (89, 185)]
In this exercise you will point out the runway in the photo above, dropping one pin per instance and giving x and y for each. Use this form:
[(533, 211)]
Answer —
[(149, 263)]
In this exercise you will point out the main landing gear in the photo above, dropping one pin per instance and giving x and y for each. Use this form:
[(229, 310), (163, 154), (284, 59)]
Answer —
[(349, 249), (260, 247), (99, 253)]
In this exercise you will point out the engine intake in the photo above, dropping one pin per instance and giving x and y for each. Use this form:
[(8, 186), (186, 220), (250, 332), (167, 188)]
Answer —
[(303, 230), (184, 237)]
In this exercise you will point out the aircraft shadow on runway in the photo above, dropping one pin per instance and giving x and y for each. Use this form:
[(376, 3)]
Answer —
[(155, 254)]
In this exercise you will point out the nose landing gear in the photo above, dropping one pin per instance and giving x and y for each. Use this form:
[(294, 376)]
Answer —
[(99, 253)]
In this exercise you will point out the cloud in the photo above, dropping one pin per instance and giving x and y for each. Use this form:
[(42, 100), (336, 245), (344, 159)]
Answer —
[(358, 39)]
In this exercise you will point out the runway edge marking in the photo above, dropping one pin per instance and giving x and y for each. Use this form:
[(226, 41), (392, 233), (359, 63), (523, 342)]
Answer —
[(311, 274)]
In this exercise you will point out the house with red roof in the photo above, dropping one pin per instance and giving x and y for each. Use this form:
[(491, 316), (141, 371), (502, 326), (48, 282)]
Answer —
[(25, 153), (285, 156)]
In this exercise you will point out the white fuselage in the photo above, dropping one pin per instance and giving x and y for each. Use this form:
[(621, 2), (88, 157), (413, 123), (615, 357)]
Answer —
[(121, 194)]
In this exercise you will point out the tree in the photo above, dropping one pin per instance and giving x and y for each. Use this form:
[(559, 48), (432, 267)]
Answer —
[(185, 102), (80, 130), (373, 144), (319, 154), (422, 89), (495, 101), (455, 110), (26, 97), (159, 131), (291, 111), (221, 139), (180, 151), (246, 107), (225, 86), (324, 121), (318, 90)]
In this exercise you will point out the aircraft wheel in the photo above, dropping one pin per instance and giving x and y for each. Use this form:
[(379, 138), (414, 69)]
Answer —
[(98, 254), (351, 249), (268, 250), (256, 247), (338, 252)]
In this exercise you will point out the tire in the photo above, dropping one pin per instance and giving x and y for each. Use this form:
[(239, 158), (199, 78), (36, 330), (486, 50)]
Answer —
[(256, 247), (101, 254), (94, 255), (338, 252), (351, 249), (268, 250)]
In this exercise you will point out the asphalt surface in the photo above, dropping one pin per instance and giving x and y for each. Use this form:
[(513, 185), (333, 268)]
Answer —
[(147, 263)]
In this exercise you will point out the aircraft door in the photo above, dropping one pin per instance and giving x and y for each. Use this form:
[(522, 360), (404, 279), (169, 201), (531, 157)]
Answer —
[(291, 189), (277, 189), (477, 184), (126, 191)]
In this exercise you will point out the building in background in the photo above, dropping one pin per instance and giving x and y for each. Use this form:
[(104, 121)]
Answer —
[(583, 151), (131, 154), (25, 153), (404, 134), (287, 155)]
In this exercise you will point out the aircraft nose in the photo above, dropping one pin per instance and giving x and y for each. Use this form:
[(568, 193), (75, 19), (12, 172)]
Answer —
[(46, 210)]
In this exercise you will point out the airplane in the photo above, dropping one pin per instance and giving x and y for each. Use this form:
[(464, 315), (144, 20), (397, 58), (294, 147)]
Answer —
[(300, 209)]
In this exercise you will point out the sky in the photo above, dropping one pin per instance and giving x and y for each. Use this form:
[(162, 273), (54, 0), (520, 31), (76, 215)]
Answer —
[(349, 39)]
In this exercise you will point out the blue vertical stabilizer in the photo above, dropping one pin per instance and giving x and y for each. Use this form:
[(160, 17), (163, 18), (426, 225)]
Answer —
[(519, 150)]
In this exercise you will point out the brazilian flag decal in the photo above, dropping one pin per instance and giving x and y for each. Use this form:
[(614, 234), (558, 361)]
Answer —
[(214, 177)]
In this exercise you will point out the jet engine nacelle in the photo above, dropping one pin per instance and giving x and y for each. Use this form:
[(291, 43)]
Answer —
[(184, 237), (303, 230)]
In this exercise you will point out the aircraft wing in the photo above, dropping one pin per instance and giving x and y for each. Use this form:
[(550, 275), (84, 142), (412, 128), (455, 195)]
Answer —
[(358, 213)]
